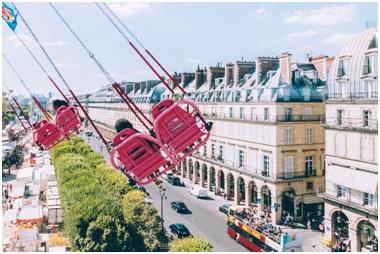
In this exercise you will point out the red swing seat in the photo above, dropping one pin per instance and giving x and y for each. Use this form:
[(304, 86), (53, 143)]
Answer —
[(46, 134), (144, 159), (68, 120), (179, 129)]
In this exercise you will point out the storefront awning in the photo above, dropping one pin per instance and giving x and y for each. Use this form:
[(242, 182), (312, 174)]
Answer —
[(312, 199), (352, 178)]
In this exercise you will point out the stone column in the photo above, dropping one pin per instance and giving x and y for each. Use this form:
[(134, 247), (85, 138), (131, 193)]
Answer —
[(248, 195), (226, 186), (217, 183), (260, 201), (202, 177), (209, 180), (276, 215), (236, 191), (355, 240)]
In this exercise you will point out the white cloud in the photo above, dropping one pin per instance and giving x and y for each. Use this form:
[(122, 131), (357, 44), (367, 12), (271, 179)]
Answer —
[(55, 43), (325, 16), (338, 39), (300, 35), (193, 60), (16, 42), (261, 12), (67, 66), (130, 9), (28, 40)]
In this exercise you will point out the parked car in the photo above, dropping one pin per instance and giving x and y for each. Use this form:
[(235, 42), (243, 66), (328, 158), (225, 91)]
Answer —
[(179, 207), (179, 230), (224, 208), (198, 192), (131, 182), (174, 180), (166, 176)]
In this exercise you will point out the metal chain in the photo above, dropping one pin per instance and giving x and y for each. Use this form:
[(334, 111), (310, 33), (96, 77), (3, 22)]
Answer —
[(42, 48), (123, 25), (91, 55), (19, 77)]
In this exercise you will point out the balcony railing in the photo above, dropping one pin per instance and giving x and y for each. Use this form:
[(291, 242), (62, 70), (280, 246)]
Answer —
[(349, 122), (264, 118), (299, 174), (352, 96)]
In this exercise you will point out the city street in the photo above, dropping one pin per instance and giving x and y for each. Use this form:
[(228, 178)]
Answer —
[(205, 221)]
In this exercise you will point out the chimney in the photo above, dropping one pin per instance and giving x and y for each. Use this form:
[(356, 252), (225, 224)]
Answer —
[(228, 74), (143, 86), (263, 65), (285, 69), (200, 78), (322, 64), (177, 77), (186, 78), (242, 68), (214, 72), (136, 87)]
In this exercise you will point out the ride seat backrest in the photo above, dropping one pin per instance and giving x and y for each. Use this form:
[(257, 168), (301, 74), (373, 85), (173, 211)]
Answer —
[(61, 109), (40, 123), (124, 134), (160, 107), (135, 152), (175, 123), (46, 130)]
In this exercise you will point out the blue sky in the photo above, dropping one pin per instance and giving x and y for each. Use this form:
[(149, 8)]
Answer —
[(181, 35)]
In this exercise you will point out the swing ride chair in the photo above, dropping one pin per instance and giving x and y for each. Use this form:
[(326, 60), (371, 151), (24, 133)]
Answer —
[(47, 134), (144, 159), (67, 120), (183, 132)]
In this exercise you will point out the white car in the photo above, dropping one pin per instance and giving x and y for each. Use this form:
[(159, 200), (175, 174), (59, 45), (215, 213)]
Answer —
[(198, 191)]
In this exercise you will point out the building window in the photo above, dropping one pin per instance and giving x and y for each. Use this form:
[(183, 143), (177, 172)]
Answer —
[(241, 159), (342, 192), (221, 154), (343, 67), (366, 117), (340, 144), (309, 135), (288, 136), (265, 165), (308, 112), (309, 185), (339, 116), (241, 113), (288, 114), (367, 199), (288, 166), (366, 148), (205, 150), (266, 114), (231, 112), (253, 113), (213, 151), (309, 165), (369, 65)]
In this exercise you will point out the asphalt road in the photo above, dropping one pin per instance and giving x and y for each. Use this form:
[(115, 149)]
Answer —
[(205, 220)]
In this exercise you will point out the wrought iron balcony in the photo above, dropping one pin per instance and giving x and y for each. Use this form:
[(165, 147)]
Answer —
[(349, 123), (352, 96), (296, 175), (265, 118)]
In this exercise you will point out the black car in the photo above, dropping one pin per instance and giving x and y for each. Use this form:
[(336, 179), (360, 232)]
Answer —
[(179, 230), (179, 207), (174, 180), (224, 208)]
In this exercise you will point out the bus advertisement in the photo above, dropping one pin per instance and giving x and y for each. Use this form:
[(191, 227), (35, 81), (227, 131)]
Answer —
[(257, 241)]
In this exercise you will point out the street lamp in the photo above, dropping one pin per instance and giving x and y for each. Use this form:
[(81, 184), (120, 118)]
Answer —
[(163, 196)]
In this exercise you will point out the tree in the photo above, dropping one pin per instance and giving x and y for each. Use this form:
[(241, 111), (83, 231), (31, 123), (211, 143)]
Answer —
[(144, 219), (190, 244)]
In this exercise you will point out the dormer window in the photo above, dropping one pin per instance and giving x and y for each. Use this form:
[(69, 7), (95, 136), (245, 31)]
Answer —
[(343, 67), (369, 65), (373, 43)]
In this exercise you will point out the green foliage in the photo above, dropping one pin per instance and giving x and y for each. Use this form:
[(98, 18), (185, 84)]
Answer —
[(190, 244), (144, 219), (101, 211)]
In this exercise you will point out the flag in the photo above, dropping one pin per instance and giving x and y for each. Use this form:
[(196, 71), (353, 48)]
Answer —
[(9, 15)]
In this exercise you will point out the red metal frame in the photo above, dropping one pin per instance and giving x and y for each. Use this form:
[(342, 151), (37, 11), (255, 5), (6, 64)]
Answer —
[(67, 120), (141, 162), (179, 129), (47, 134)]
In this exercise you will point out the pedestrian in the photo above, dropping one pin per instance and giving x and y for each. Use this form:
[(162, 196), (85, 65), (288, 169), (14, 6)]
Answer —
[(10, 187), (224, 196), (309, 224)]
